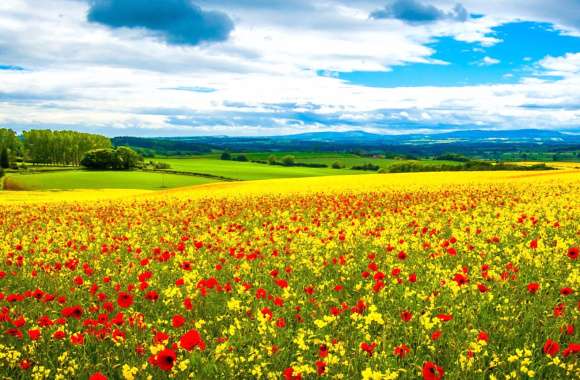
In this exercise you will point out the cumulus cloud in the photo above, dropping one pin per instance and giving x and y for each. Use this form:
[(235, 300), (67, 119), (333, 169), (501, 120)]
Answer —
[(415, 11), (564, 66), (488, 61), (180, 22), (264, 79)]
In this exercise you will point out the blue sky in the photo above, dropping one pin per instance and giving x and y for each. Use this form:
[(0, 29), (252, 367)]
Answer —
[(522, 45), (255, 67)]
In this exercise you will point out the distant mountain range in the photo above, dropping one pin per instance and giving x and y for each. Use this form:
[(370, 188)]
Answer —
[(475, 142), (472, 136)]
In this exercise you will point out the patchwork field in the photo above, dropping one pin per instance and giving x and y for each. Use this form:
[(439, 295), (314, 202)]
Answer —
[(247, 170), (455, 275)]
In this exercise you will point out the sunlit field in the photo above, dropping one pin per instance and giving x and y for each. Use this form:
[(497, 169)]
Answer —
[(433, 275), (84, 179), (248, 170)]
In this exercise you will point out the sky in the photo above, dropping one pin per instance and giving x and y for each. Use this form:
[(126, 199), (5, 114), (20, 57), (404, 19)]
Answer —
[(273, 67)]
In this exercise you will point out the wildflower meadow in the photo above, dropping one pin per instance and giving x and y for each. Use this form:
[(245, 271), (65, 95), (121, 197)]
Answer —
[(471, 276)]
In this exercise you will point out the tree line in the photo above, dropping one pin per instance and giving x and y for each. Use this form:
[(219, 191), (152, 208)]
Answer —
[(10, 147), (61, 147), (48, 147)]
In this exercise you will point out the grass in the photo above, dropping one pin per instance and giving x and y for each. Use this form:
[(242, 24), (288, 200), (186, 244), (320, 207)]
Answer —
[(80, 179), (347, 159), (247, 170)]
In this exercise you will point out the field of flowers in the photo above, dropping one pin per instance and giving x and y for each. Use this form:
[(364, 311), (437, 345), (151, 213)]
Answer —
[(455, 276)]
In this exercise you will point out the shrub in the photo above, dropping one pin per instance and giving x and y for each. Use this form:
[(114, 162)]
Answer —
[(226, 156), (161, 165), (338, 165), (367, 166), (121, 158), (288, 160)]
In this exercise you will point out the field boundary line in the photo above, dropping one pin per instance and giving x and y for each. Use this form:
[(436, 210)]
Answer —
[(194, 174)]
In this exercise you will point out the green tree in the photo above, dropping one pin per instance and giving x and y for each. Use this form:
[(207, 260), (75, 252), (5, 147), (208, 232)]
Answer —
[(338, 165), (4, 160), (61, 147), (272, 159), (10, 142), (226, 156), (121, 158), (126, 158), (288, 160)]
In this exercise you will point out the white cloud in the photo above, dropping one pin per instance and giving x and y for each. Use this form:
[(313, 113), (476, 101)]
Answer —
[(568, 65), (488, 61), (86, 76)]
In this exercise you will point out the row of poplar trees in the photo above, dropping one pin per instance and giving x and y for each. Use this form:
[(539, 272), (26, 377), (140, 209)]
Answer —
[(51, 147)]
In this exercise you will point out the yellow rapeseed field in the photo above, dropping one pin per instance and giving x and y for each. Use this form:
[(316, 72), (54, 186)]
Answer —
[(465, 275)]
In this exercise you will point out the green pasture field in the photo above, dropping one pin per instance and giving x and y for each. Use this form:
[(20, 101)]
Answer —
[(247, 171), (211, 164), (83, 179)]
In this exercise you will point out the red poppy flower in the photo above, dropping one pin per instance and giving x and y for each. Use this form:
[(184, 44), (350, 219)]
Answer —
[(368, 348), (34, 334), (482, 288), (566, 291), (191, 339), (460, 279), (97, 376), (401, 351), (533, 287), (160, 337), (124, 300), (436, 335), (281, 323), (483, 336), (177, 321), (534, 244), (290, 374), (77, 339), (75, 312), (432, 371), (152, 295), (573, 252), (559, 310), (261, 293), (444, 317), (282, 283), (165, 359), (551, 347), (320, 367), (406, 316), (573, 348)]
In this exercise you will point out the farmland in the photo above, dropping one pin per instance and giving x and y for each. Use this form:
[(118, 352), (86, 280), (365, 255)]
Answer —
[(211, 164), (77, 179), (247, 170), (466, 275)]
